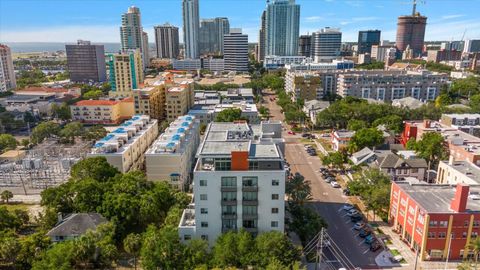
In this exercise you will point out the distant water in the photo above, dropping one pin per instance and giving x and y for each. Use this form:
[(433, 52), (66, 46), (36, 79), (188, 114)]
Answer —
[(19, 47)]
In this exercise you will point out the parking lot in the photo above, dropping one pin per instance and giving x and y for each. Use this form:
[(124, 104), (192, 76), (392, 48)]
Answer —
[(328, 202)]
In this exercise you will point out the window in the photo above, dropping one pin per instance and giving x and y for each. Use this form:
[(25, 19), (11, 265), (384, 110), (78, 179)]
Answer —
[(443, 223), (274, 210), (398, 92), (229, 209), (380, 93), (250, 196), (249, 181), (365, 92), (204, 210), (464, 235), (431, 93), (476, 223), (414, 170), (416, 92), (431, 235), (441, 235), (203, 183), (275, 182), (433, 223), (474, 234), (204, 224), (274, 224), (223, 164), (187, 237), (229, 196), (274, 196), (204, 237), (249, 223), (465, 223), (203, 197), (250, 209), (229, 181)]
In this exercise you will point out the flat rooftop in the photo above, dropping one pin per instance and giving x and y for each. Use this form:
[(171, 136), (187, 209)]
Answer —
[(437, 198), (467, 168), (175, 137), (223, 138)]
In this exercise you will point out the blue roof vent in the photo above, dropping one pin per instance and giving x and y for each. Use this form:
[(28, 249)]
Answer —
[(176, 137), (181, 130), (170, 145), (185, 124)]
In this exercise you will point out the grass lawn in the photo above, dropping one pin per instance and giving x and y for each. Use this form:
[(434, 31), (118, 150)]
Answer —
[(326, 144), (396, 253), (12, 207)]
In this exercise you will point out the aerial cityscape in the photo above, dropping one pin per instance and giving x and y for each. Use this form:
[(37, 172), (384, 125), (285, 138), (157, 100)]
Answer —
[(240, 134)]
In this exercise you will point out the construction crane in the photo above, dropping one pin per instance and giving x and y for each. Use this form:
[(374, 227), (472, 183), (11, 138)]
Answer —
[(414, 10)]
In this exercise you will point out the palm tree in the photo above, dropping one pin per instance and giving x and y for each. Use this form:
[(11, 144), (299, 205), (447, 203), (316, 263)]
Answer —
[(6, 195), (474, 245), (298, 189)]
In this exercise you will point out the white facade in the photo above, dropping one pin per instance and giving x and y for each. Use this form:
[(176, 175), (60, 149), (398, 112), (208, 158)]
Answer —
[(124, 147), (235, 51), (187, 64), (326, 44), (238, 183), (171, 156), (207, 113), (166, 41)]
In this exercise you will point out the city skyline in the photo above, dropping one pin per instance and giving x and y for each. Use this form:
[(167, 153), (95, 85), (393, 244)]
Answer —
[(448, 19)]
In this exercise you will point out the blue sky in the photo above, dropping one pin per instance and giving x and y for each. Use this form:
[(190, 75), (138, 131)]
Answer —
[(98, 21)]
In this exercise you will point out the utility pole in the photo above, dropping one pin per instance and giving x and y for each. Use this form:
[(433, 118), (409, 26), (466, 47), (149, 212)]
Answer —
[(319, 249), (416, 258), (448, 251)]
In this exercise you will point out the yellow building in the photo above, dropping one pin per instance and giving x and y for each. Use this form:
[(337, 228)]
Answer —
[(150, 101), (126, 73), (104, 112), (179, 99)]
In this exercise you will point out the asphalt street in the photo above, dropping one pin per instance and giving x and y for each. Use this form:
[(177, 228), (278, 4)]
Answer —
[(327, 201)]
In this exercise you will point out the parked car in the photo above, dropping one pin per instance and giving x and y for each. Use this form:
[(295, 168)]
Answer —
[(335, 184), (375, 246), (291, 132), (346, 192), (306, 135), (323, 170), (356, 218), (359, 225), (328, 179), (364, 233), (348, 207), (352, 212), (370, 239)]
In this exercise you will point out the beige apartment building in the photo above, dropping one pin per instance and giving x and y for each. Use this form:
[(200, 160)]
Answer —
[(304, 85), (124, 147), (102, 112), (171, 156), (126, 73), (150, 101), (179, 99)]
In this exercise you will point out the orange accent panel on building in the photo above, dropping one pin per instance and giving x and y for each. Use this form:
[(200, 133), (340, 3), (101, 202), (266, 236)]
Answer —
[(239, 161)]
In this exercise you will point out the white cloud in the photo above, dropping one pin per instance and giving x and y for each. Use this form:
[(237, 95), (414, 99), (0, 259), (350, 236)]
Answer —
[(454, 16), (95, 33), (313, 19)]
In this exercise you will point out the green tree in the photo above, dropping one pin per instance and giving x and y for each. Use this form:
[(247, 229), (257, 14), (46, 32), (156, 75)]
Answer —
[(162, 249), (93, 94), (443, 100), (366, 137), (335, 159), (392, 122), (6, 195), (356, 125), (95, 168), (44, 130), (305, 222), (59, 256), (132, 245), (466, 87), (9, 249), (474, 246), (62, 111), (371, 66), (25, 142), (72, 130), (94, 133), (229, 115), (197, 254), (7, 142), (475, 103), (298, 189), (274, 246), (31, 248), (431, 147)]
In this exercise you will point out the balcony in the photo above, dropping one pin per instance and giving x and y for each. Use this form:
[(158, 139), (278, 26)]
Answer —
[(250, 202), (229, 215), (249, 216), (251, 230), (250, 188), (229, 201), (228, 189), (229, 229)]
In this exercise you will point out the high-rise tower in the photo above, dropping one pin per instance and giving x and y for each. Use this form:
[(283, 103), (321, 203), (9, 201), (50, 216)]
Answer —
[(131, 30), (411, 31), (166, 41), (366, 39), (190, 28), (261, 38), (282, 28)]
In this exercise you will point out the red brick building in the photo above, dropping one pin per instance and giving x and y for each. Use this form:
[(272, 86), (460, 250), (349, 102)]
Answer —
[(432, 218)]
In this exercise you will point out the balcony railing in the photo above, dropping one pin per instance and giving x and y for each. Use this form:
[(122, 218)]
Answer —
[(251, 230), (250, 202), (229, 229), (250, 188), (249, 216), (229, 201), (228, 188), (229, 215)]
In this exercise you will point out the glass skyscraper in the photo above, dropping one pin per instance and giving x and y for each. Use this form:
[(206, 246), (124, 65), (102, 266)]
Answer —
[(282, 28), (366, 39), (190, 29)]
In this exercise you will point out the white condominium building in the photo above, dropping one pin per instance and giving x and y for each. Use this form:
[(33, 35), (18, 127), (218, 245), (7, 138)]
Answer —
[(124, 147), (239, 182), (171, 156)]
